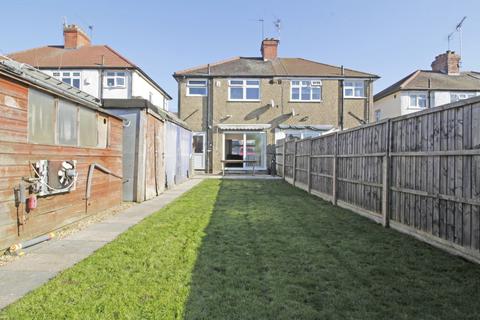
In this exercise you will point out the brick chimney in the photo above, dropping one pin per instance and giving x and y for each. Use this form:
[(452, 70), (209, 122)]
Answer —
[(269, 48), (448, 62), (74, 37)]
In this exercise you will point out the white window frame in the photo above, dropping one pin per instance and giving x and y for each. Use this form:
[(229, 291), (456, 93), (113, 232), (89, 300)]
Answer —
[(196, 85), (301, 85), (416, 105), (458, 94), (115, 78), (353, 86), (69, 74), (244, 87), (378, 115), (263, 165)]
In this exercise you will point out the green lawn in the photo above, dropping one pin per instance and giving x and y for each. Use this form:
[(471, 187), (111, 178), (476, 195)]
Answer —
[(251, 249)]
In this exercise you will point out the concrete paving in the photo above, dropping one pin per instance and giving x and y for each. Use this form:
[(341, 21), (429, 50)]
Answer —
[(44, 261)]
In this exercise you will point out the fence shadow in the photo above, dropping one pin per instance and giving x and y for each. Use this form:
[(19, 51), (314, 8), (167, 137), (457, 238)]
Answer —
[(271, 251)]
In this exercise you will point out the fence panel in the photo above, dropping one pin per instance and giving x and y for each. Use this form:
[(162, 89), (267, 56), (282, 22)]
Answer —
[(279, 157), (418, 173)]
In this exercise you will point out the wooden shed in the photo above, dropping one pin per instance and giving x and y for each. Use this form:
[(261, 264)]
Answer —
[(154, 141), (60, 154)]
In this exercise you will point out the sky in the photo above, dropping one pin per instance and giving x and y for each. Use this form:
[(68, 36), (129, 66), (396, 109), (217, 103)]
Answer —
[(387, 38)]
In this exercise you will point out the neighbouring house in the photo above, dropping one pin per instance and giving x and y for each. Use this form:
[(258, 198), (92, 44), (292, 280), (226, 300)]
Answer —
[(60, 154), (156, 150), (422, 89), (239, 107), (120, 84), (96, 69)]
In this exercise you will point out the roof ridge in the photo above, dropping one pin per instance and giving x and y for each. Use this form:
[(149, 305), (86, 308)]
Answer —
[(334, 66), (206, 65), (412, 76)]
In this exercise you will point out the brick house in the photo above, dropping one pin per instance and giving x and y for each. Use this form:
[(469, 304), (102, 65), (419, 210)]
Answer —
[(241, 106)]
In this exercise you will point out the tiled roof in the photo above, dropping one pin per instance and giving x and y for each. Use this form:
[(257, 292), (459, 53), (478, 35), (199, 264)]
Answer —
[(434, 80), (59, 57), (280, 67)]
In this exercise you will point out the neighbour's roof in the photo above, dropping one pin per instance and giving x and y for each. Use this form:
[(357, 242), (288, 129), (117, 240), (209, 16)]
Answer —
[(33, 76), (279, 67), (434, 80), (86, 57), (144, 104)]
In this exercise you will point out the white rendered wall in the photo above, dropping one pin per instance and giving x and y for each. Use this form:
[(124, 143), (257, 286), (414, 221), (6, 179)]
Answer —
[(141, 87)]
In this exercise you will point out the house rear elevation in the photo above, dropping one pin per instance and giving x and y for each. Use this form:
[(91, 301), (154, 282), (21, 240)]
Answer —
[(427, 88), (239, 107)]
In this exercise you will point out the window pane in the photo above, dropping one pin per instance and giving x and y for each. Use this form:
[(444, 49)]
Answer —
[(198, 144), (197, 82), (236, 93), (305, 83), (253, 82), (316, 93), (41, 117), (197, 91), (348, 84), (66, 74), (110, 74), (253, 93), (88, 128), (295, 93), (422, 101), (76, 74), (76, 83), (358, 92), (110, 82), (67, 80), (120, 81), (236, 82), (67, 123), (120, 74), (56, 74), (306, 93), (348, 92), (255, 148), (413, 101), (295, 83)]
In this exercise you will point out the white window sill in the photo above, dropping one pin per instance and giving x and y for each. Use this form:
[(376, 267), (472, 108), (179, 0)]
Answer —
[(416, 108), (352, 97), (196, 95), (116, 87), (243, 100), (305, 101)]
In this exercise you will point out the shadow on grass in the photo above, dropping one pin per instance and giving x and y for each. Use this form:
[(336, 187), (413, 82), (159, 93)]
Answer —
[(272, 251)]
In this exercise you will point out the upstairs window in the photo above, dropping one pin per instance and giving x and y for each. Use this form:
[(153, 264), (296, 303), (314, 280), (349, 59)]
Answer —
[(116, 79), (197, 88), (306, 90), (72, 78), (354, 89), (457, 96), (418, 101), (244, 90)]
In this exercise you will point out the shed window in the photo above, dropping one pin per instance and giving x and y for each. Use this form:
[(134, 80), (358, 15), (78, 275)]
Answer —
[(88, 128), (41, 117), (67, 123)]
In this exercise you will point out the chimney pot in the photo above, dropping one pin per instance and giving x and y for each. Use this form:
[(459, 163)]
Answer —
[(269, 48), (74, 37), (448, 62)]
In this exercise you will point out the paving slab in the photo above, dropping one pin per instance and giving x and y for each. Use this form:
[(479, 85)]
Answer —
[(46, 260)]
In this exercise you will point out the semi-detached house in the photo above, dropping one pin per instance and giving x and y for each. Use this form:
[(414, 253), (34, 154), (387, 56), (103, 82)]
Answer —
[(239, 107)]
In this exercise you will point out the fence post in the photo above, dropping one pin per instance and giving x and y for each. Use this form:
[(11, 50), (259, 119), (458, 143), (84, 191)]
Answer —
[(309, 168), (386, 179), (334, 178), (294, 174), (284, 162)]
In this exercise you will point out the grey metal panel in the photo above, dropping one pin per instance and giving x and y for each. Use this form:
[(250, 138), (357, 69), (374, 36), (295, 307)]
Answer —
[(130, 142)]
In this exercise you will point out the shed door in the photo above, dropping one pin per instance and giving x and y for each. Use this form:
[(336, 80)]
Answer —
[(199, 151), (129, 162)]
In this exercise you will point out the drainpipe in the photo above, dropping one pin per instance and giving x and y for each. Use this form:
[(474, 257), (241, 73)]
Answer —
[(208, 139), (429, 93), (341, 99)]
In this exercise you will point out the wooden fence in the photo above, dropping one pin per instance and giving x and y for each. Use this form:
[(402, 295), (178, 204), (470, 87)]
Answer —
[(418, 173)]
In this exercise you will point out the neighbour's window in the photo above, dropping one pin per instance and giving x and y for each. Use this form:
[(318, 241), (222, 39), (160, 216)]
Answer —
[(197, 88), (41, 117), (457, 96), (418, 101), (354, 89), (306, 90), (378, 115), (244, 90), (72, 78), (67, 123), (57, 121), (115, 79)]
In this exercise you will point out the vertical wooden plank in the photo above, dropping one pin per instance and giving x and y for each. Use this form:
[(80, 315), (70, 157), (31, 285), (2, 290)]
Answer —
[(309, 167), (458, 145), (284, 151), (386, 179), (335, 163), (436, 173), (451, 176), (475, 237), (467, 177), (430, 173), (294, 161)]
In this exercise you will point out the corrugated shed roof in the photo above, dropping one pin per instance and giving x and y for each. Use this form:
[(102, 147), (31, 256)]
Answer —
[(280, 67), (433, 80)]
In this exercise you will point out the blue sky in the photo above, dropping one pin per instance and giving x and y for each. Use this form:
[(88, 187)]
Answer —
[(388, 38)]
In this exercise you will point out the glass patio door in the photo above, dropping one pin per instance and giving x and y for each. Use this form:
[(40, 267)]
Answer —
[(245, 146)]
